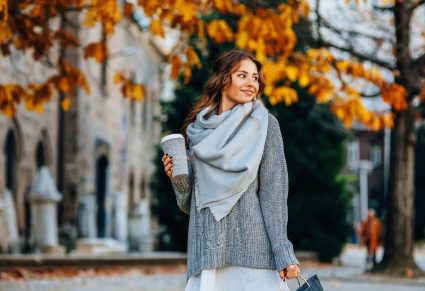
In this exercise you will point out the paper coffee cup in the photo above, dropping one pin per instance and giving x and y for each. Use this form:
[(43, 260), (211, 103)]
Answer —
[(174, 146)]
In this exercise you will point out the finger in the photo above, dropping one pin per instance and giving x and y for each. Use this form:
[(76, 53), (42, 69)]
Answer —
[(169, 167), (295, 273), (290, 273), (168, 161)]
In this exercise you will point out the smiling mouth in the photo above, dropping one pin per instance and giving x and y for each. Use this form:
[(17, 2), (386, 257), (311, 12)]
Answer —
[(250, 93)]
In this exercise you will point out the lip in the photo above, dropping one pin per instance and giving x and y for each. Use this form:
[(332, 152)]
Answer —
[(249, 92)]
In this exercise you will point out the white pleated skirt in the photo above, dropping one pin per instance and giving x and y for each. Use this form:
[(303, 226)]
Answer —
[(235, 278)]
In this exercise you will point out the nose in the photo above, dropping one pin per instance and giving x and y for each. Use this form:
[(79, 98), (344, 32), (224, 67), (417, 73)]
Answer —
[(250, 82)]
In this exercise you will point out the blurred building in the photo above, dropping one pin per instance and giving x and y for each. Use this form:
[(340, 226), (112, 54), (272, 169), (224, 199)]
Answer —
[(368, 157), (100, 152)]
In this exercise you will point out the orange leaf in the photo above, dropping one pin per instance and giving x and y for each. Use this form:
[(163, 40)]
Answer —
[(187, 75), (5, 33), (97, 50), (64, 85), (128, 9), (4, 10), (176, 65), (118, 78)]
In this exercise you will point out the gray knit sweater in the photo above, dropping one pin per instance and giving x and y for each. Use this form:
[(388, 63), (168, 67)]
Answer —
[(254, 233)]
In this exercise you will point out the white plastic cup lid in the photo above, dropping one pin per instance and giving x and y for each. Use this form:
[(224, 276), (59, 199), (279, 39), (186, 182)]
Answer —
[(171, 136)]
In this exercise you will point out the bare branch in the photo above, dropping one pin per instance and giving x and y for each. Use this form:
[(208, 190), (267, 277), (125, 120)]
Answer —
[(319, 20), (374, 95), (417, 4), (383, 8), (340, 31), (360, 56)]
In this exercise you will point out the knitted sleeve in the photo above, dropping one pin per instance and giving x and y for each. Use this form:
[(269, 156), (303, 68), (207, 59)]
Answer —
[(183, 195), (273, 194)]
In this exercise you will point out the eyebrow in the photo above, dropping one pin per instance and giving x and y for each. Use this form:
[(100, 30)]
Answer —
[(246, 72)]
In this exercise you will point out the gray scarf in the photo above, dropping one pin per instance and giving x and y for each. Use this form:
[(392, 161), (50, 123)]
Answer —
[(227, 151)]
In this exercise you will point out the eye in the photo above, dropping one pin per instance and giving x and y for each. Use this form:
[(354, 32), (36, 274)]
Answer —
[(242, 75), (255, 78)]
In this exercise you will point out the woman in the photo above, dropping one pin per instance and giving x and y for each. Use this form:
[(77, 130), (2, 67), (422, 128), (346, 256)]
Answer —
[(237, 199)]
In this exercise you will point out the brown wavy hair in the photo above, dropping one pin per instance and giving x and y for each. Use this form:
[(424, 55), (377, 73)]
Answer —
[(226, 64)]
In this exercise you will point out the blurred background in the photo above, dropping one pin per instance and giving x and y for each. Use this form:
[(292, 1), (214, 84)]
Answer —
[(88, 89)]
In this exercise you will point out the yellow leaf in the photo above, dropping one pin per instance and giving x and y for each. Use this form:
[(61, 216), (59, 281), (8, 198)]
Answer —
[(156, 28), (220, 31), (303, 80), (285, 94), (242, 39), (186, 9), (38, 108), (268, 90), (291, 73), (66, 103)]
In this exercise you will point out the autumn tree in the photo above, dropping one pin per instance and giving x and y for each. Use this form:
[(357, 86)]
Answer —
[(45, 30), (265, 28), (389, 36)]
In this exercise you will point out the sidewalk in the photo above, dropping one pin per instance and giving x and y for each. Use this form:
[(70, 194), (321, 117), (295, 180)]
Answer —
[(346, 276), (351, 267)]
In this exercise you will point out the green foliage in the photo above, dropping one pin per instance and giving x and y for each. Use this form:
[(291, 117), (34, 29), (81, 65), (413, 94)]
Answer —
[(319, 199)]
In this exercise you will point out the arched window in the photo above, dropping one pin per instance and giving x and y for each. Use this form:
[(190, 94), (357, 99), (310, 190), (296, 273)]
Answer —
[(40, 156), (11, 161), (131, 194), (143, 188)]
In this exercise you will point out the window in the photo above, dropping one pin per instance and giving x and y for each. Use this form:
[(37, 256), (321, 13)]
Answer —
[(143, 189), (376, 155), (353, 152)]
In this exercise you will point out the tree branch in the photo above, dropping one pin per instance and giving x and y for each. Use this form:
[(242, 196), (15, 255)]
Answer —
[(322, 42), (416, 5), (383, 8), (340, 31), (360, 56), (319, 20), (374, 95)]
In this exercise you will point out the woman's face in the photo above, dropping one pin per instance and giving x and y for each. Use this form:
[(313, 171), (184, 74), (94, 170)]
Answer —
[(244, 84)]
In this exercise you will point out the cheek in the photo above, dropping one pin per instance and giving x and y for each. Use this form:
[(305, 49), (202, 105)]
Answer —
[(232, 89)]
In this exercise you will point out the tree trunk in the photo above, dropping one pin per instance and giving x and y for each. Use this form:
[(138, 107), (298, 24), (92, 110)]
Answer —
[(398, 257)]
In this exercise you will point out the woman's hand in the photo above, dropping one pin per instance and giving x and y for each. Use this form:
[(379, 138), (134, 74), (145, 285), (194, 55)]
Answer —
[(168, 165), (290, 272)]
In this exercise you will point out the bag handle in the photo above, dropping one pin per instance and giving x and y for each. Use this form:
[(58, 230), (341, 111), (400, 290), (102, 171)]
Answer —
[(286, 283)]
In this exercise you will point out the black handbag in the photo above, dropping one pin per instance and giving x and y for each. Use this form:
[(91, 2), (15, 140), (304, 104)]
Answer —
[(311, 284)]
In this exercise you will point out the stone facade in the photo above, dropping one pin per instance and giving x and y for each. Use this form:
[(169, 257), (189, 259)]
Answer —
[(101, 150)]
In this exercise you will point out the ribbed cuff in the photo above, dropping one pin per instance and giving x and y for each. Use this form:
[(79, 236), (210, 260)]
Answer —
[(284, 256)]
